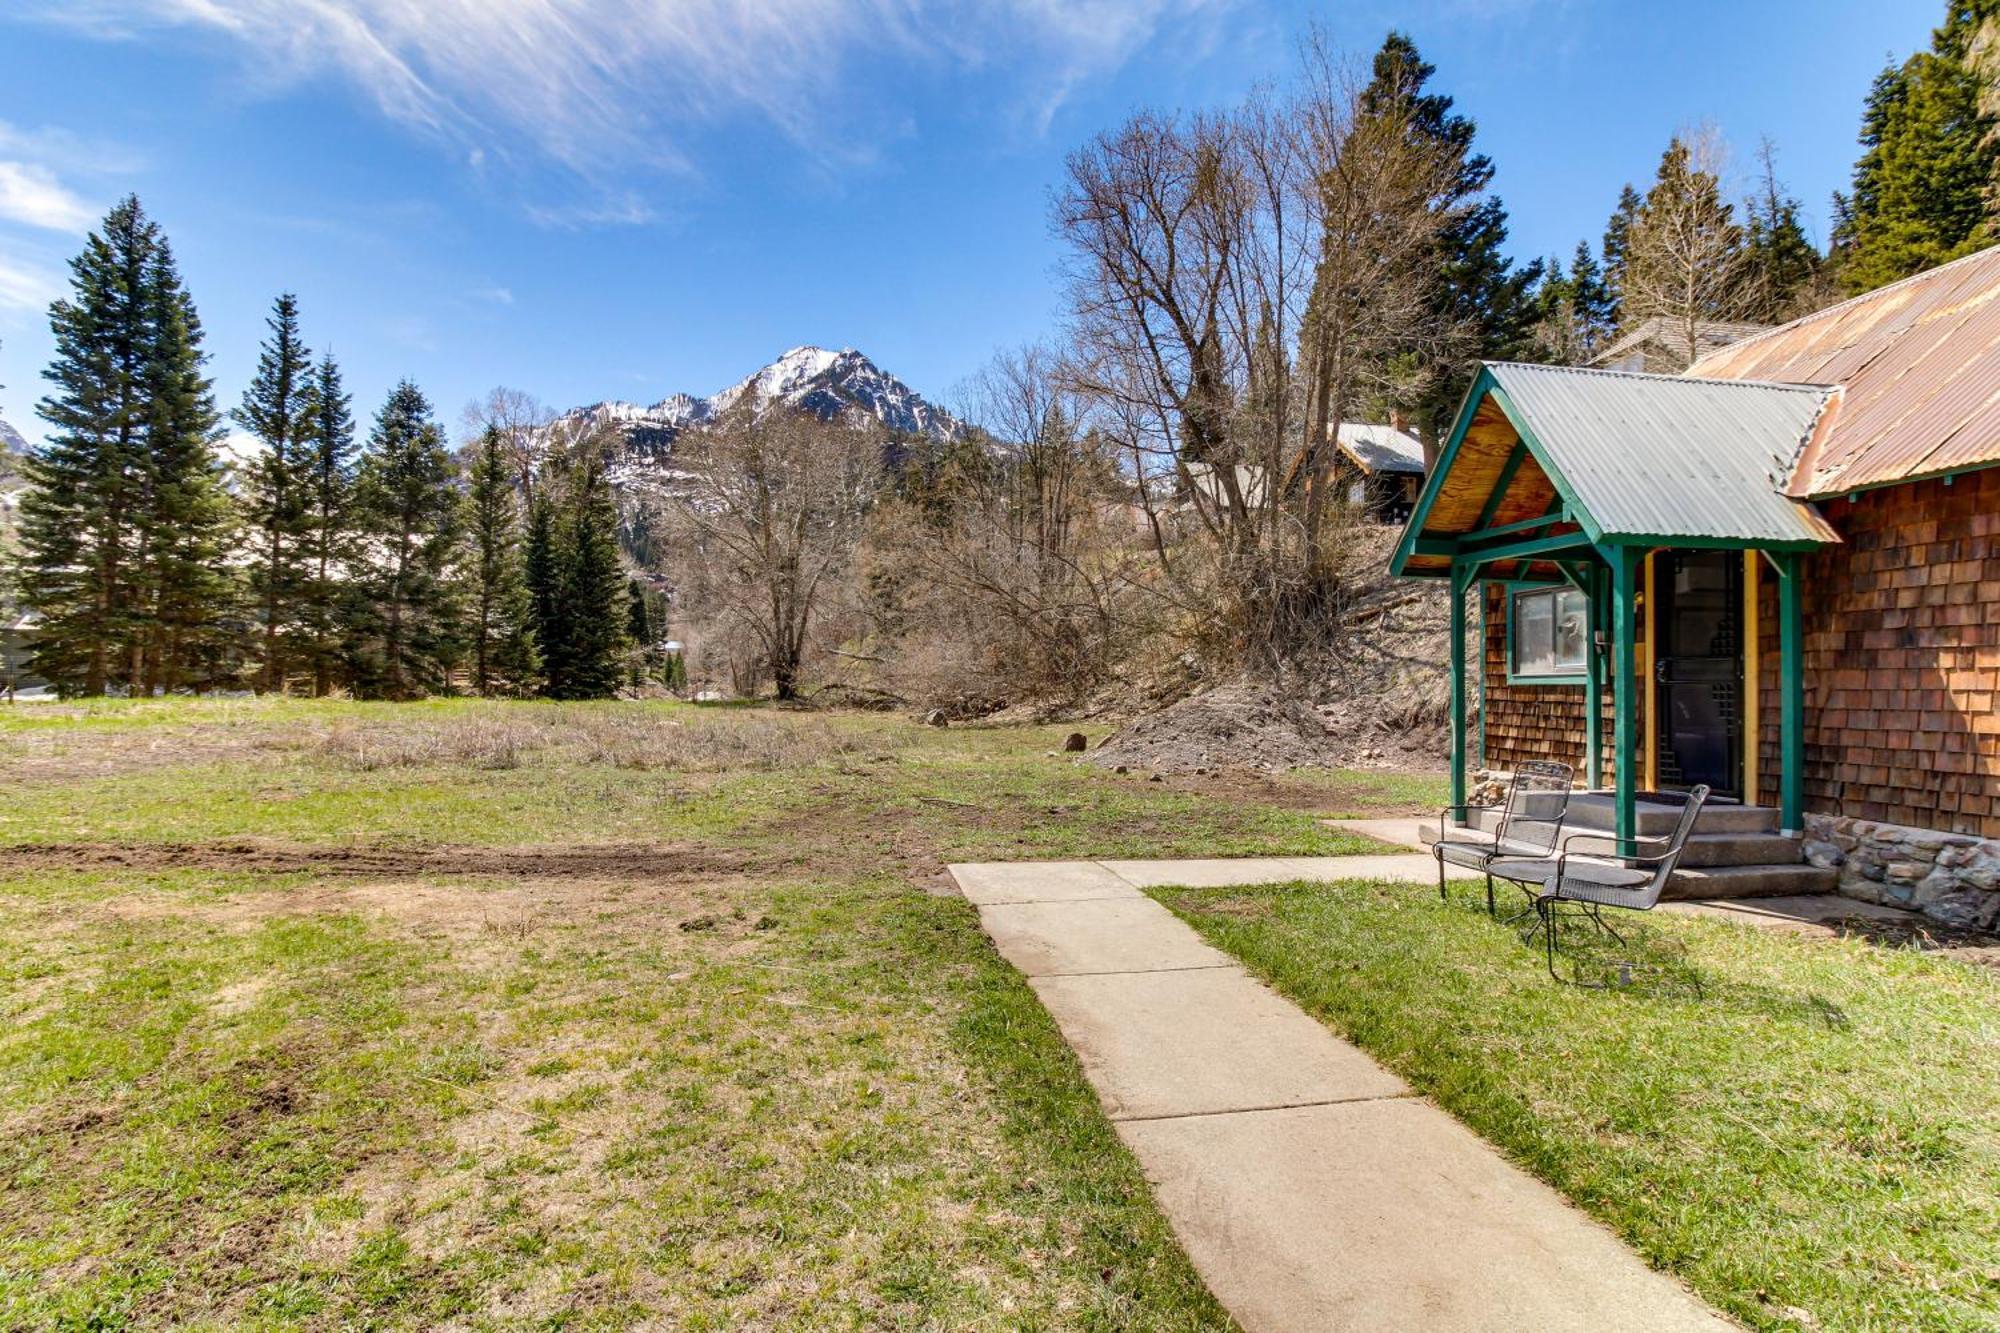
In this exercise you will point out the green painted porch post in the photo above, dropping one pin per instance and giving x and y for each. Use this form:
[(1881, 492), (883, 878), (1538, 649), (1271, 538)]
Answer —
[(1461, 578), (1624, 683), (1593, 693), (1791, 694)]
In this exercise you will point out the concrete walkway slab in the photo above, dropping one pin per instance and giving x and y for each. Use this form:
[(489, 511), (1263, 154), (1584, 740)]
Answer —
[(1039, 882), (1095, 935), (1220, 872), (1390, 1214), (1310, 1187), (1198, 1042)]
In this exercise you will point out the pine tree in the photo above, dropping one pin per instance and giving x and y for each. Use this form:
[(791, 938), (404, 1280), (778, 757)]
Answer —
[(542, 559), (278, 409), (408, 515), (639, 631), (1476, 290), (123, 531), (187, 524), (593, 603), (327, 545), (504, 658), (1575, 315), (1617, 245), (1781, 265), (1923, 187)]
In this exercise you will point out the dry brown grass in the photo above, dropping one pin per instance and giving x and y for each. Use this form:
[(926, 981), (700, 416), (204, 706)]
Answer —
[(686, 741)]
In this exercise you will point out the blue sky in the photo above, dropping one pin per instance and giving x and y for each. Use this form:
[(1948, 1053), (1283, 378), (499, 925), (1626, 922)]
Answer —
[(591, 199)]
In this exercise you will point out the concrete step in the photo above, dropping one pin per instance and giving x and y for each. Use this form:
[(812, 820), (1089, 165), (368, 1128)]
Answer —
[(1599, 810), (1719, 849), (1750, 881)]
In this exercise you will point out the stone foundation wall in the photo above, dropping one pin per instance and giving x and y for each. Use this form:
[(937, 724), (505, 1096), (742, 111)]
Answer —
[(1953, 878)]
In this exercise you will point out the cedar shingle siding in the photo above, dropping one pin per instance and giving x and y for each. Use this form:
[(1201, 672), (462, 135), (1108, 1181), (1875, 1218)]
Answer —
[(1902, 659)]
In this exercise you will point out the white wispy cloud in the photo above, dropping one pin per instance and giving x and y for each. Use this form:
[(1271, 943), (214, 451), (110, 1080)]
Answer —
[(604, 86), (25, 286), (32, 195)]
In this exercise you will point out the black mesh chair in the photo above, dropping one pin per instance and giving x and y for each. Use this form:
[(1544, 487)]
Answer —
[(1595, 881), (1531, 821)]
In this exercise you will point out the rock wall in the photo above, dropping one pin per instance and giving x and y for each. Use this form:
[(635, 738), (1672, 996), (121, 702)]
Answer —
[(1953, 878)]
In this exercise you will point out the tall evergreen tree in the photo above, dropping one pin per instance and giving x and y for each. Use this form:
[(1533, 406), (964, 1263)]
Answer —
[(1575, 315), (1476, 289), (278, 409), (123, 529), (639, 631), (328, 542), (187, 523), (542, 559), (1924, 185), (1781, 265), (593, 606), (408, 514), (1617, 247), (504, 658)]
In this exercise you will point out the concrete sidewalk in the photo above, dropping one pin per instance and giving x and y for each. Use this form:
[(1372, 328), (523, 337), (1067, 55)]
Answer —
[(1312, 1188)]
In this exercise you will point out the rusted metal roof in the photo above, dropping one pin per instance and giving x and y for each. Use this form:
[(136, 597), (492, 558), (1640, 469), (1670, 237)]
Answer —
[(1662, 456), (1919, 366)]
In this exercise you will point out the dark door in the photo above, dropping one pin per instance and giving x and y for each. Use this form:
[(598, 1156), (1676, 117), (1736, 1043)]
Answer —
[(1699, 668)]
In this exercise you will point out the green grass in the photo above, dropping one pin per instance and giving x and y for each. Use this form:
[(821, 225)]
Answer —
[(1814, 1142), (786, 1087)]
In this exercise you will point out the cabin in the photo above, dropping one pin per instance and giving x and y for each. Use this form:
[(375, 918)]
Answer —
[(1378, 469), (1777, 574)]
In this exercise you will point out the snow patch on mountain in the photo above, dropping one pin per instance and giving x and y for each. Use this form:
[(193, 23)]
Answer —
[(828, 384)]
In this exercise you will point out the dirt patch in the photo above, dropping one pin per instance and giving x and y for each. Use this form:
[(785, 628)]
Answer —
[(1926, 936), (1231, 726), (621, 861)]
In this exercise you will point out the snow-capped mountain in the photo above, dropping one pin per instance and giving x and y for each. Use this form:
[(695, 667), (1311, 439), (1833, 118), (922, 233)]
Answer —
[(826, 383), (10, 439)]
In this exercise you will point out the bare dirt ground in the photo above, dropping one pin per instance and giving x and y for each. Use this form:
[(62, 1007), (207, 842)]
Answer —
[(634, 862)]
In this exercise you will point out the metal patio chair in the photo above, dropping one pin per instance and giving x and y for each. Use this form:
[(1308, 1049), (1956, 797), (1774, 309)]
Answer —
[(1596, 881), (1531, 821)]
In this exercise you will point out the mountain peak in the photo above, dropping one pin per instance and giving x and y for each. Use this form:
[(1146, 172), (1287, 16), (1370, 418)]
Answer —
[(826, 383)]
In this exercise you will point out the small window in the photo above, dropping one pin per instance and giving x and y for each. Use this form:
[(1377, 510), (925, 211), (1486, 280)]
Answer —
[(1550, 633)]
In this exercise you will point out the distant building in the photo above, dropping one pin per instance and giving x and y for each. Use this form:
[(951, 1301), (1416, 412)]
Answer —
[(1658, 344), (16, 646), (1379, 469)]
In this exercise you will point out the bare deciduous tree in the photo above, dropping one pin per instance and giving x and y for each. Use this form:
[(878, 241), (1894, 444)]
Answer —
[(1240, 283), (1685, 260), (774, 510)]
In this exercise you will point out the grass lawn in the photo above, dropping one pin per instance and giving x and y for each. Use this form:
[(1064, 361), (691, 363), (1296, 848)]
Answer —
[(1813, 1142), (563, 1016)]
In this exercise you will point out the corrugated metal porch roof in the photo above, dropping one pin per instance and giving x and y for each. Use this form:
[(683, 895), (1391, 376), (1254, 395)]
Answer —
[(1665, 457)]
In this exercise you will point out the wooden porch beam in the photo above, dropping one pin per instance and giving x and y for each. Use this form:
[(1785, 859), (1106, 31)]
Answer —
[(1564, 541)]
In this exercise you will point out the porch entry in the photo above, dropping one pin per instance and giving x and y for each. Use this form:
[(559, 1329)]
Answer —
[(1698, 670)]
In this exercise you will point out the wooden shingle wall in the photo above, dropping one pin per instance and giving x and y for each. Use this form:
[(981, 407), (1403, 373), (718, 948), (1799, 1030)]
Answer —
[(1902, 659)]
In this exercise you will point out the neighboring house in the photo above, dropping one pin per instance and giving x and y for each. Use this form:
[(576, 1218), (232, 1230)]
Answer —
[(1658, 344), (1380, 469), (1778, 575)]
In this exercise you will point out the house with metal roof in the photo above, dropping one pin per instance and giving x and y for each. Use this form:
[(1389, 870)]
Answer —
[(1379, 468), (1777, 574)]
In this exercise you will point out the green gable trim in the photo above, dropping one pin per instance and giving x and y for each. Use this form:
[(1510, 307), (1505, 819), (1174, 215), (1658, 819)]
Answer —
[(1483, 385)]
